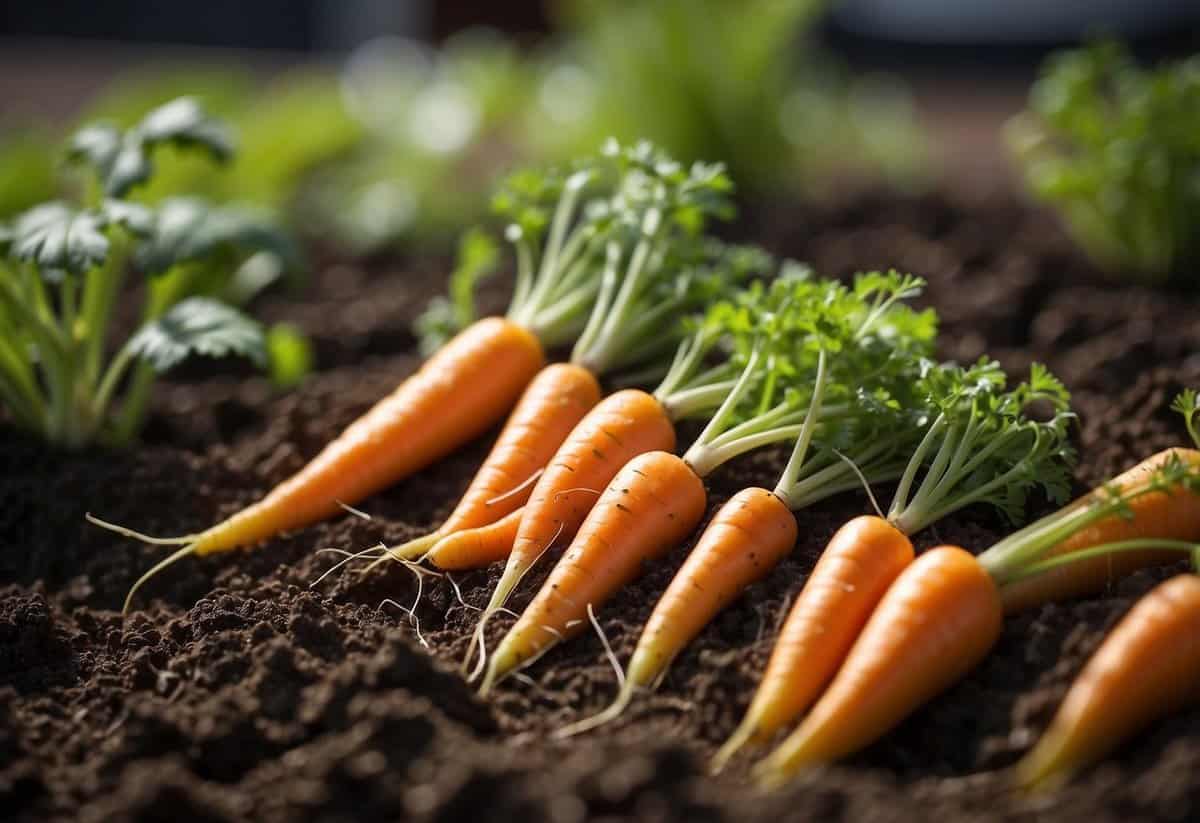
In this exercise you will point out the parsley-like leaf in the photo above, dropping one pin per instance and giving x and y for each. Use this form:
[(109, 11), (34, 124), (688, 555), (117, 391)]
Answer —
[(122, 159), (186, 229), (198, 325), (60, 238)]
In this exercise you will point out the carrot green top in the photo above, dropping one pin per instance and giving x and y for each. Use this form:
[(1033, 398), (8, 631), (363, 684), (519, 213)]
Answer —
[(612, 254), (789, 355), (983, 444)]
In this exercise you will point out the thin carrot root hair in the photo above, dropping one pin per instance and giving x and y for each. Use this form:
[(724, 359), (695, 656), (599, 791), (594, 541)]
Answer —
[(624, 695), (359, 513), (499, 598), (347, 557), (862, 478), (153, 571), (520, 487), (412, 618)]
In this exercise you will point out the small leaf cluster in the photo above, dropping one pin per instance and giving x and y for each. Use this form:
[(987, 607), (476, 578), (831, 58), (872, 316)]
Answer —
[(64, 267), (1187, 404), (986, 443), (1115, 147)]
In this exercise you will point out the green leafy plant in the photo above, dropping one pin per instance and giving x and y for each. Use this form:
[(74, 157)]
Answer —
[(64, 265), (1115, 148), (742, 83)]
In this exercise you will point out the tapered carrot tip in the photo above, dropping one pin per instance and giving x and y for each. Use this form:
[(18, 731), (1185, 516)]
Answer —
[(937, 620), (1046, 766), (1148, 666)]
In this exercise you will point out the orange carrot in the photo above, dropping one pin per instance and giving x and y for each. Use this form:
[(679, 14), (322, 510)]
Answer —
[(556, 400), (621, 427), (1173, 516), (862, 560), (755, 529), (455, 396), (1147, 667), (939, 618), (651, 506), (745, 539), (472, 548)]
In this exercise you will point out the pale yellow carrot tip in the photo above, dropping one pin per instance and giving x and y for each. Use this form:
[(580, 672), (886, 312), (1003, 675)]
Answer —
[(618, 706), (136, 535), (741, 736), (190, 548), (1040, 770)]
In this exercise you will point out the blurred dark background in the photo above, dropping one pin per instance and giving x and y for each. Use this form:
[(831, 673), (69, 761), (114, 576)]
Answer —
[(1012, 32)]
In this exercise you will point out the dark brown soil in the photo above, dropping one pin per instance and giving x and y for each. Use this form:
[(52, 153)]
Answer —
[(241, 692)]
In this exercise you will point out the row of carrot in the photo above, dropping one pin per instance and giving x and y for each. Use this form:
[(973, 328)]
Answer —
[(611, 257)]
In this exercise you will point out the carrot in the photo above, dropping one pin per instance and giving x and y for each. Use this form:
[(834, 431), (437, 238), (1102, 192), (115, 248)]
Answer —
[(471, 548), (551, 406), (938, 619), (756, 528), (974, 417), (560, 295), (654, 502), (862, 560), (623, 426), (1160, 514), (455, 396), (745, 539), (934, 624), (1147, 667)]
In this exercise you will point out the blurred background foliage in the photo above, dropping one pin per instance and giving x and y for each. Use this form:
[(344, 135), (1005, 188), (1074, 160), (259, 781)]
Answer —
[(399, 145)]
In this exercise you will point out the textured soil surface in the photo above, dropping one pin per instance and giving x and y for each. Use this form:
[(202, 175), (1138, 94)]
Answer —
[(240, 691)]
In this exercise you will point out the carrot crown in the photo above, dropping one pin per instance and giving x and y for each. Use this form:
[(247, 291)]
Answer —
[(1024, 553), (981, 444)]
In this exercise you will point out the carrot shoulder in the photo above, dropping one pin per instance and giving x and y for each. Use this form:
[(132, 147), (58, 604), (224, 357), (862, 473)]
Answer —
[(937, 621), (1173, 516), (1147, 667), (651, 506)]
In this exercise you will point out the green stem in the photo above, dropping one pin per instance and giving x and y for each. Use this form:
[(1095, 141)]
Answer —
[(691, 402), (99, 294), (608, 287), (112, 377), (598, 356), (792, 471), (1103, 550), (1031, 543), (717, 423), (900, 501)]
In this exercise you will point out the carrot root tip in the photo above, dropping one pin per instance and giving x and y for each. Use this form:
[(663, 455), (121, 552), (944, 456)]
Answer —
[(153, 571), (139, 536), (618, 706), (741, 736)]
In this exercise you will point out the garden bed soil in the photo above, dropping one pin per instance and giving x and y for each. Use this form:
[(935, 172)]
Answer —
[(239, 690)]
